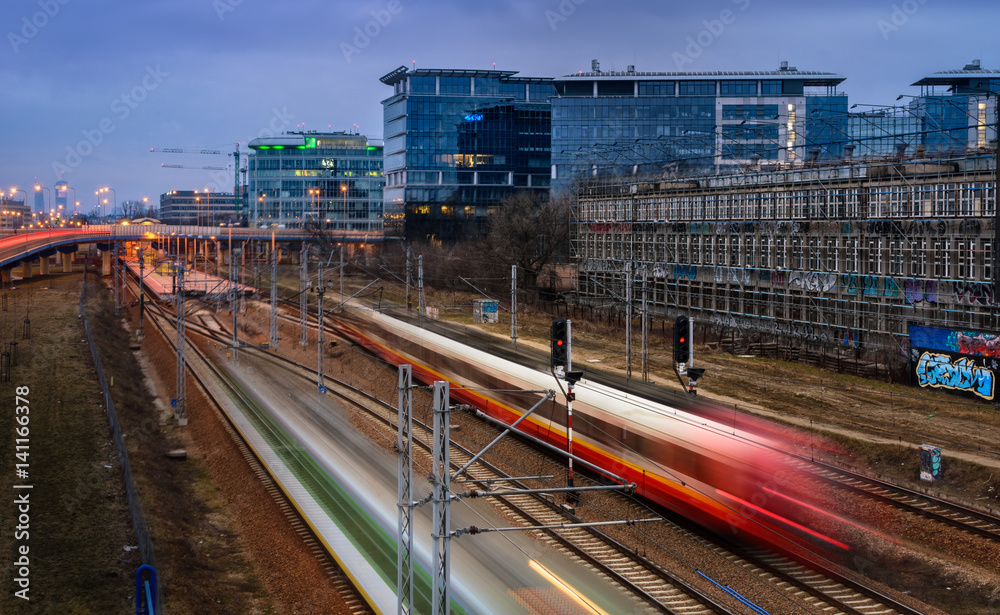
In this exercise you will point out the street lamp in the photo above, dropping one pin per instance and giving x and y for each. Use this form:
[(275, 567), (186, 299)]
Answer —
[(314, 192), (343, 189), (39, 187)]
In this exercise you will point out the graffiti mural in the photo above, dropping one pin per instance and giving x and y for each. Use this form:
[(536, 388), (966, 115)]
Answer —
[(685, 271), (939, 371), (869, 285), (981, 345), (812, 280), (920, 290), (732, 275), (749, 325), (963, 362), (851, 338), (973, 293)]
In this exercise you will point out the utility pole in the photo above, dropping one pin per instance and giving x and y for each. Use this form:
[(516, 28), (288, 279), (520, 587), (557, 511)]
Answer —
[(320, 289), (180, 409), (114, 274), (420, 284), (409, 275), (142, 295), (274, 294), (628, 320), (304, 295), (513, 305), (996, 201), (441, 480), (341, 273), (645, 329), (233, 291), (404, 500)]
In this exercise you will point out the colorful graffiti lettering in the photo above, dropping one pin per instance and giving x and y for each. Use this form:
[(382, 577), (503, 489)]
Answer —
[(920, 290), (979, 345), (973, 293), (685, 271), (732, 275), (851, 338), (937, 371), (869, 285), (812, 280)]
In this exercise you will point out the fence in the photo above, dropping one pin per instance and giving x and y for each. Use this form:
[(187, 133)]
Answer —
[(135, 507)]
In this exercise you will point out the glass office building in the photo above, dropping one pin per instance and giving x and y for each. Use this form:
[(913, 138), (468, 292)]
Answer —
[(456, 143), (885, 133), (330, 180), (957, 109), (680, 123)]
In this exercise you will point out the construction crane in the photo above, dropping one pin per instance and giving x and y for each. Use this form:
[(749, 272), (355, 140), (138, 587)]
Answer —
[(184, 166), (239, 198)]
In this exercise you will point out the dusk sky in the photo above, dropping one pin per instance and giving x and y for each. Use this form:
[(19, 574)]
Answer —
[(87, 87)]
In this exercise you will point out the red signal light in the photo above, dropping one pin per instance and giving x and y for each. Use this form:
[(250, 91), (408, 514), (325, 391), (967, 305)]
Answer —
[(683, 340), (559, 342)]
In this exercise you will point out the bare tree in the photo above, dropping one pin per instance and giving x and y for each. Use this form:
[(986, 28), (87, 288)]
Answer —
[(131, 209), (530, 233)]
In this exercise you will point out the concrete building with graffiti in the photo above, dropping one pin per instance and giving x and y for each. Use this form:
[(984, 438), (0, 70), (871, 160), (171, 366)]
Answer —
[(841, 254)]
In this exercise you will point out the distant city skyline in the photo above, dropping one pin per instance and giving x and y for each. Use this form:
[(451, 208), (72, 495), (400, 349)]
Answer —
[(89, 88)]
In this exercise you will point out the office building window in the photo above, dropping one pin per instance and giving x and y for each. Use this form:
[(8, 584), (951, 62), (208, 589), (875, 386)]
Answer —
[(656, 88), (696, 88), (737, 88), (422, 84)]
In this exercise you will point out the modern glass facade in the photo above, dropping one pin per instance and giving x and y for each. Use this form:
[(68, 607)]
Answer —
[(197, 208), (884, 133), (456, 143), (637, 122), (957, 109), (327, 180)]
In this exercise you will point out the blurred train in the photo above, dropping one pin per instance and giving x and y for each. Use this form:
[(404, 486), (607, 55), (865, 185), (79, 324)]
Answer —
[(730, 481)]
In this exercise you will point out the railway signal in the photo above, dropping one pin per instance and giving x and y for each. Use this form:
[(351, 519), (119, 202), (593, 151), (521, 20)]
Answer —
[(560, 343), (682, 339)]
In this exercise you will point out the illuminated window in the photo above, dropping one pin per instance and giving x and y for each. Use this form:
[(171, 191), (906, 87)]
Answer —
[(981, 127)]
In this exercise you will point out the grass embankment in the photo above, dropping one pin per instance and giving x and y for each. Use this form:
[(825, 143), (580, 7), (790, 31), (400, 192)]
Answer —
[(79, 522)]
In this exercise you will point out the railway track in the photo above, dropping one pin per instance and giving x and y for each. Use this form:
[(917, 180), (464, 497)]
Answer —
[(955, 515), (828, 591), (350, 597)]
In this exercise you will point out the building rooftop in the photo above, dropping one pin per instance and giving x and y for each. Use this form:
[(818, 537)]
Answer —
[(959, 76), (810, 78), (312, 139), (399, 74)]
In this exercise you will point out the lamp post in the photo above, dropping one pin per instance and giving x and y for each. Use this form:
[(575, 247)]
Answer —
[(48, 209), (197, 210), (343, 216), (313, 193)]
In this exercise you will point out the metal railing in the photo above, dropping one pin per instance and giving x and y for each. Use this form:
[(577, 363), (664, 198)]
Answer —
[(145, 541)]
